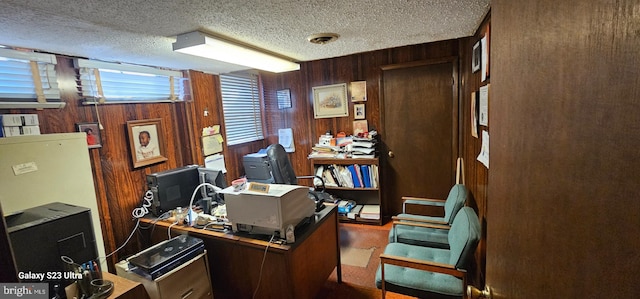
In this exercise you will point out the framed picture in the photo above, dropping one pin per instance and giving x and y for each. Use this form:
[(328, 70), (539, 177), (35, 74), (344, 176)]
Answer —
[(284, 98), (93, 133), (330, 101), (359, 91), (358, 111), (147, 145), (476, 57), (360, 127)]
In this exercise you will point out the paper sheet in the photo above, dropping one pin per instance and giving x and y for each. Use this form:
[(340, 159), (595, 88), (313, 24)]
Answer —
[(483, 110), (285, 138), (483, 157), (215, 162), (212, 144)]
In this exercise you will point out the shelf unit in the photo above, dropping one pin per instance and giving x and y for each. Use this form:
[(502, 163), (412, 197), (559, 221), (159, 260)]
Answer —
[(362, 196)]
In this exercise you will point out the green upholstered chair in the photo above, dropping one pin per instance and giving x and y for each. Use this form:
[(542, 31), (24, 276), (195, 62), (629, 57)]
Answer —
[(434, 233), (428, 272)]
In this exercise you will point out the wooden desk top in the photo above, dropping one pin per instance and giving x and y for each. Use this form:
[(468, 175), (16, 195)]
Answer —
[(125, 288), (248, 239)]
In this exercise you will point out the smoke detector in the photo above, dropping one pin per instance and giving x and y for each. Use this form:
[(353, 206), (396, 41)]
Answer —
[(322, 38)]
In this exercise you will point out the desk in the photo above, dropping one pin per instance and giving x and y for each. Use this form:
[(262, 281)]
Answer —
[(124, 288), (293, 271)]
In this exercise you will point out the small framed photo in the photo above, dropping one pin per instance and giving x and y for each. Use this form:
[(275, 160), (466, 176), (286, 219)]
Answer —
[(93, 133), (358, 111), (146, 142), (284, 98), (330, 101), (359, 91), (360, 127), (476, 58)]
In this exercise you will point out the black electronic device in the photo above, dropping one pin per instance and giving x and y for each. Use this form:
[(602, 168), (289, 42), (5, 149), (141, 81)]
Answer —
[(41, 235), (163, 257), (173, 188)]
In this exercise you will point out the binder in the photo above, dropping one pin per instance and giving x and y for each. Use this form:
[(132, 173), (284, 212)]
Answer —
[(366, 177), (359, 175), (354, 176)]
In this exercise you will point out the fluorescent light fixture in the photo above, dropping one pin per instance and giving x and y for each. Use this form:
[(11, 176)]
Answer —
[(198, 44)]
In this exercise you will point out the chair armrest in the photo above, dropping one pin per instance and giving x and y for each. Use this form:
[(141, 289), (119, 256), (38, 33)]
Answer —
[(423, 199), (421, 224), (420, 265), (398, 218)]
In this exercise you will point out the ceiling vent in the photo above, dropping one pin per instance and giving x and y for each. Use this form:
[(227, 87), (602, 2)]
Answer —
[(322, 38)]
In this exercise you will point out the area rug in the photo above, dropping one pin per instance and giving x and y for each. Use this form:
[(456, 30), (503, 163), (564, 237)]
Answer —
[(358, 257)]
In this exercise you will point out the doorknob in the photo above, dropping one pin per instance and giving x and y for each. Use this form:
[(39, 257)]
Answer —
[(391, 154), (475, 293)]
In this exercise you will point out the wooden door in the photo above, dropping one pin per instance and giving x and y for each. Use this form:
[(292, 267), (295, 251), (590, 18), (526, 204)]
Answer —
[(419, 131), (563, 210)]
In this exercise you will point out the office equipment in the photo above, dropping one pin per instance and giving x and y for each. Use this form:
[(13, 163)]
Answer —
[(163, 257), (209, 195), (41, 235), (41, 169), (257, 168), (190, 279), (173, 188), (268, 213)]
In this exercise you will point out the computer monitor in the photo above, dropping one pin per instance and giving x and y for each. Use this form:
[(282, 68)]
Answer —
[(173, 188), (213, 177)]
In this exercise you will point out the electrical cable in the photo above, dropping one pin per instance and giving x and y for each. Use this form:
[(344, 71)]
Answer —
[(193, 196), (264, 257)]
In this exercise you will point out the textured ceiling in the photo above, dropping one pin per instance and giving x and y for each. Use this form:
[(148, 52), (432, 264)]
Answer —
[(142, 31)]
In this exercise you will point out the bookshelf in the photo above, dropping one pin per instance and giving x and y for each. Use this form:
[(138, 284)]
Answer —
[(361, 195)]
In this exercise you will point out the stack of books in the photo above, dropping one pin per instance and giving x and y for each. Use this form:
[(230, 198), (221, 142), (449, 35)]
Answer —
[(371, 212)]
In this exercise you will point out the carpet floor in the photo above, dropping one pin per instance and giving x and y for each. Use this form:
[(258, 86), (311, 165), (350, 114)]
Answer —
[(358, 282)]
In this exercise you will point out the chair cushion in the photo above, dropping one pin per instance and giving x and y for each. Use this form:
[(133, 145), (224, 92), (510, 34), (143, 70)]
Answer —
[(418, 281), (463, 237), (421, 236)]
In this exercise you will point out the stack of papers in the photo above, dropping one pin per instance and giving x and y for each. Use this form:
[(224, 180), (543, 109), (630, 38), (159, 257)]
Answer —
[(370, 212)]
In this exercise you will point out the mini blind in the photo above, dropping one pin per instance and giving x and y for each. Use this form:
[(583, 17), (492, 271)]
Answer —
[(106, 82), (28, 80), (242, 108)]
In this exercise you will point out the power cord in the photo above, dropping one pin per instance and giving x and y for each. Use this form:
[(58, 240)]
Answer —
[(264, 257)]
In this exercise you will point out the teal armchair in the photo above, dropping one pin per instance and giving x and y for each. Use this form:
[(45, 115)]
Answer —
[(435, 231), (428, 272)]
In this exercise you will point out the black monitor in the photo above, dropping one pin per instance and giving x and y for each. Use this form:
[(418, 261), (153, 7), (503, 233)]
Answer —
[(213, 177), (173, 188)]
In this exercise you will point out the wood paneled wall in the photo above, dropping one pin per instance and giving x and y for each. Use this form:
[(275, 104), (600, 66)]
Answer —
[(476, 174)]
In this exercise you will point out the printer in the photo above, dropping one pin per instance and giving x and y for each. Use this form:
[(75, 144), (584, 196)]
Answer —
[(268, 213), (257, 168)]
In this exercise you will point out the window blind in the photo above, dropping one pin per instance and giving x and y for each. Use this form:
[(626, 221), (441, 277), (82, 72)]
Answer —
[(242, 108), (120, 83), (28, 78)]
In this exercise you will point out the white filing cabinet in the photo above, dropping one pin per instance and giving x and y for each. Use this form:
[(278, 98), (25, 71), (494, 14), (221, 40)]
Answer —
[(190, 280)]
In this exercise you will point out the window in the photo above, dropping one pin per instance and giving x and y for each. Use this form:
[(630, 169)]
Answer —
[(242, 108), (28, 80), (121, 83)]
